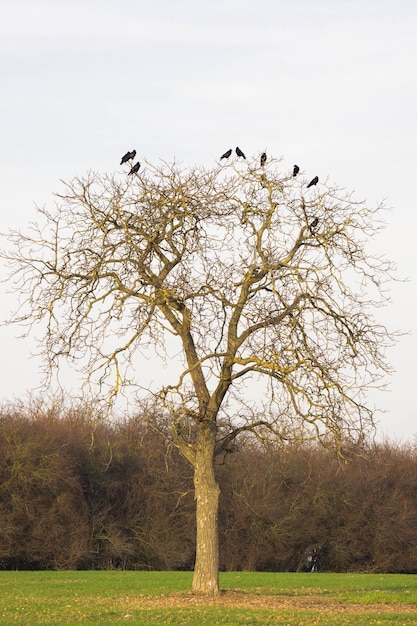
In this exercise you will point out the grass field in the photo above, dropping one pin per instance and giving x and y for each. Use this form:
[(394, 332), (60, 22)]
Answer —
[(151, 598)]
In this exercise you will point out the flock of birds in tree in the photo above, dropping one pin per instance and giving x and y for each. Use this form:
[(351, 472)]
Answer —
[(129, 156), (263, 159), (295, 171)]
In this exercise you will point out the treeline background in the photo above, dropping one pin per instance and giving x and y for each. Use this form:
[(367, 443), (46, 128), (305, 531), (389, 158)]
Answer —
[(77, 493)]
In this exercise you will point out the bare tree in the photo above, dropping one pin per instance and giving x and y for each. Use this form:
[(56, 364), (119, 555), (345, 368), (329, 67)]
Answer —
[(266, 286)]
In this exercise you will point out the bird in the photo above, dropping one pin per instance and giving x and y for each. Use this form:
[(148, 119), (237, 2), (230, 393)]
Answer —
[(128, 157), (313, 224), (240, 153), (226, 154), (313, 182), (135, 169), (263, 159), (295, 170)]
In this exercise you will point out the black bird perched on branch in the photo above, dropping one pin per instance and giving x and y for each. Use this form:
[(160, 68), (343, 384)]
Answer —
[(313, 224), (263, 159), (226, 154), (128, 157), (135, 169), (295, 170), (313, 182), (240, 153)]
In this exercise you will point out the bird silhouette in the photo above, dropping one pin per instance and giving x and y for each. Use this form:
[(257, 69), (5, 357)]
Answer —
[(135, 169), (128, 157), (263, 158), (295, 170), (226, 154), (240, 153), (313, 224), (313, 182)]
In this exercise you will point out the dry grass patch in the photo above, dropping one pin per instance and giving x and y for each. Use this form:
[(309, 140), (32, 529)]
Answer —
[(248, 600)]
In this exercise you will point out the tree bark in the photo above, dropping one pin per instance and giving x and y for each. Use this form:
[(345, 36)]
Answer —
[(207, 492)]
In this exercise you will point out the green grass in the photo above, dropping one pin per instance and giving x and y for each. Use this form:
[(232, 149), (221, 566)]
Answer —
[(151, 598), (351, 588)]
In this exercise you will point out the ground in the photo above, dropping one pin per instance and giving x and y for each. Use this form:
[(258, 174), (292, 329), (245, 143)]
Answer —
[(242, 599)]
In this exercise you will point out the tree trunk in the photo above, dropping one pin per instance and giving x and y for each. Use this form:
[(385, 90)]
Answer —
[(206, 570)]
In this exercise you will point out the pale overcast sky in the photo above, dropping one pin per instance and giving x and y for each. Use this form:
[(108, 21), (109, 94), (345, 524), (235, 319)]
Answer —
[(328, 84)]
